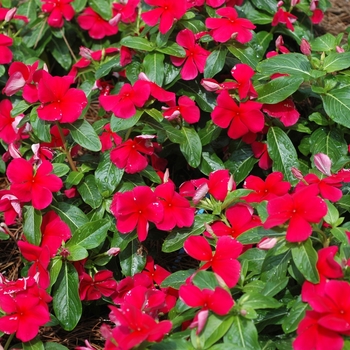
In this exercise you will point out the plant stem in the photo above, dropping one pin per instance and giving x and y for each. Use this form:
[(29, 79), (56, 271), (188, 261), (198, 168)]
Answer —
[(66, 151), (9, 340), (68, 46)]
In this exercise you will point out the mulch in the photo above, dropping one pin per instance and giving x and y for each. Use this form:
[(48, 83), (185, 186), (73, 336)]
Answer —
[(336, 20)]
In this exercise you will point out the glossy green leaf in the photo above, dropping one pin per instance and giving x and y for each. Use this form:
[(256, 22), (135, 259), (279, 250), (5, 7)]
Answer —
[(84, 135), (60, 169), (34, 344), (242, 334), (66, 301), (138, 43), (19, 108), (76, 253), (172, 49), (119, 124), (91, 234), (294, 64), (70, 214), (153, 64), (177, 237), (337, 105), (177, 279), (107, 175), (259, 301), (282, 152), (326, 42), (54, 269), (40, 127), (105, 68), (305, 259), (336, 61), (131, 259), (205, 280), (79, 5), (332, 215), (215, 328), (209, 133), (32, 224), (191, 146), (60, 52), (245, 54), (102, 7), (89, 191), (295, 315), (215, 62), (151, 174), (278, 89), (54, 346), (74, 178)]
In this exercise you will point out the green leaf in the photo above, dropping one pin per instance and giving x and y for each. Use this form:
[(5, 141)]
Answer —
[(215, 62), (155, 114), (172, 49), (74, 178), (76, 253), (242, 334), (28, 9), (332, 215), (268, 6), (205, 279), (328, 141), (191, 146), (34, 344), (174, 135), (326, 42), (84, 135), (60, 52), (32, 224), (107, 175), (210, 162), (131, 260), (19, 108), (209, 133), (215, 328), (79, 5), (305, 259), (274, 287), (54, 346), (89, 191), (278, 89), (54, 269), (295, 315), (91, 234), (151, 174), (138, 43), (340, 234), (255, 258), (234, 196), (102, 7), (344, 202), (177, 237), (295, 64), (245, 54), (40, 127), (60, 169), (119, 124), (259, 301), (154, 67), (336, 61), (66, 301), (177, 279), (106, 67), (70, 214), (282, 152), (337, 105)]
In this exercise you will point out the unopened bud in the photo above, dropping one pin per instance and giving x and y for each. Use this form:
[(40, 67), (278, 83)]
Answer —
[(114, 251), (305, 47), (10, 13), (267, 243), (297, 173), (339, 49)]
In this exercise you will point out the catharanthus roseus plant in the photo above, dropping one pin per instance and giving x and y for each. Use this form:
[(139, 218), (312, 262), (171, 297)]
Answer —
[(177, 171)]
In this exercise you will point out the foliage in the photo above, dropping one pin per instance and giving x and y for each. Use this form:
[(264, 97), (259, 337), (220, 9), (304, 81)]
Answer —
[(135, 133)]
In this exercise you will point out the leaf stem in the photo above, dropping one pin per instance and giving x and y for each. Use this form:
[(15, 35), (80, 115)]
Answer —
[(68, 46), (65, 149), (9, 340)]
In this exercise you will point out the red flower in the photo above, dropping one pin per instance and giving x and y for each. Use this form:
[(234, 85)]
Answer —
[(260, 151), (301, 209), (219, 300), (58, 100), (230, 26), (284, 110), (196, 56), (223, 261), (102, 283), (34, 185), (284, 17), (272, 187), (9, 132), (187, 109), (58, 10), (167, 12), (243, 73), (98, 27), (177, 210), (134, 327), (135, 208), (5, 52), (129, 155), (154, 271), (326, 265), (109, 139), (311, 335), (124, 104), (126, 11), (10, 206), (241, 219), (56, 139), (240, 119), (25, 314), (41, 259), (54, 231)]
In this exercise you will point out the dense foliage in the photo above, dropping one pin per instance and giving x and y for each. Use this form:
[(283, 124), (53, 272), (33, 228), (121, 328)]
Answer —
[(181, 166)]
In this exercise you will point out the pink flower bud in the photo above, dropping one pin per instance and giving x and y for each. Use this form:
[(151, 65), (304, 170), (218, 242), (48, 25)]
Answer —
[(297, 173), (323, 163), (85, 52), (210, 84), (10, 13), (305, 47), (267, 243), (114, 251), (115, 20), (294, 2), (339, 49)]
